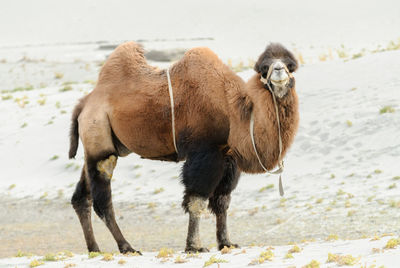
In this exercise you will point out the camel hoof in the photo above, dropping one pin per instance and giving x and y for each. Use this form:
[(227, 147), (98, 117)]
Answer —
[(127, 249), (228, 245), (94, 248), (196, 250)]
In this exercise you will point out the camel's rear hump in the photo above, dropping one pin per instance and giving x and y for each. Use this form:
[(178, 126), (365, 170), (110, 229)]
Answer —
[(126, 61)]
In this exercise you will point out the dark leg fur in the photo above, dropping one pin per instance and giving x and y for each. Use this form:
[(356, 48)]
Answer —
[(82, 203), (100, 186), (219, 202), (202, 171), (201, 174)]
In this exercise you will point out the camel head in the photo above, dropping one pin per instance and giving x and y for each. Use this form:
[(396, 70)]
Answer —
[(275, 66)]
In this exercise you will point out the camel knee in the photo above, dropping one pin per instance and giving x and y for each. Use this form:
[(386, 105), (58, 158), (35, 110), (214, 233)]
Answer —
[(195, 205), (107, 166), (81, 197), (219, 204), (100, 172)]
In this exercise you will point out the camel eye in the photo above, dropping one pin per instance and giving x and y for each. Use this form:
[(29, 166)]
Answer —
[(265, 68), (291, 67)]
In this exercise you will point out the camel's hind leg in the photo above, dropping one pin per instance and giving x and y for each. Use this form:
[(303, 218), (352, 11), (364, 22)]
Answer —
[(82, 203), (219, 201), (100, 161), (100, 172)]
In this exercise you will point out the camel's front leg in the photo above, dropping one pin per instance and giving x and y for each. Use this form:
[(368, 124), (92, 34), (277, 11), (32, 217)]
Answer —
[(219, 202), (196, 207), (201, 173)]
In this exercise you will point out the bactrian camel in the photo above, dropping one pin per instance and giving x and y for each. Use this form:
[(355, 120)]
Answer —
[(129, 110)]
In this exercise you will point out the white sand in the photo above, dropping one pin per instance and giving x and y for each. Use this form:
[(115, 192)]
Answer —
[(362, 198)]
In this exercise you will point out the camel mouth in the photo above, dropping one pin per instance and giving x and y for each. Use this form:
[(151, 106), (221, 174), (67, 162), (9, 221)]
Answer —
[(280, 82)]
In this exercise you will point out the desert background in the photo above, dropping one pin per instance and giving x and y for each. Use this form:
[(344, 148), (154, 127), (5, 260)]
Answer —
[(342, 176)]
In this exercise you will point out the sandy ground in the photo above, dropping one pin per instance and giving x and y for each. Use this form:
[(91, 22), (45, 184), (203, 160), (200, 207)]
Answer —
[(340, 178)]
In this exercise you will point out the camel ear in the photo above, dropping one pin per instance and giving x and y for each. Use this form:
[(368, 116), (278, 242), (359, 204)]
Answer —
[(257, 67)]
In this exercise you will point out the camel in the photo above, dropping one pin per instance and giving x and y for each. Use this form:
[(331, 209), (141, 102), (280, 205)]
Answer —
[(129, 110)]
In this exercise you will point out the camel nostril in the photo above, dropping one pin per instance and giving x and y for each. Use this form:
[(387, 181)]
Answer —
[(278, 68)]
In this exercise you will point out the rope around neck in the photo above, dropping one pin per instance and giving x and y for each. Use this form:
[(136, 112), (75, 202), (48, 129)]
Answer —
[(280, 161), (171, 97)]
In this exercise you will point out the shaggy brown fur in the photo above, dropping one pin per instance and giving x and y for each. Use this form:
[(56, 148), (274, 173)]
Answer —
[(129, 111)]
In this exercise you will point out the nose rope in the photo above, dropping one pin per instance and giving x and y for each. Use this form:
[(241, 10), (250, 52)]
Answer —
[(280, 161), (171, 97)]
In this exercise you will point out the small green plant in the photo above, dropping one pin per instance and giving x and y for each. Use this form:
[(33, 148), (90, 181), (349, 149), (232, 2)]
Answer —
[(35, 263), (386, 109), (23, 254), (158, 190), (66, 88), (377, 171), (213, 260), (41, 102), (12, 186), (54, 157), (24, 125), (58, 75), (6, 97), (357, 55), (349, 123), (151, 205), (351, 213), (394, 204), (392, 186), (340, 192), (93, 254), (50, 257), (269, 186), (289, 256)]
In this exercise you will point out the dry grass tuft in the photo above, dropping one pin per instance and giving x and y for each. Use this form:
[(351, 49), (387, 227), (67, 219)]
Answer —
[(392, 243), (35, 263), (226, 250), (294, 249), (332, 237), (165, 253), (58, 75), (179, 259), (343, 260), (107, 257), (312, 264), (264, 256)]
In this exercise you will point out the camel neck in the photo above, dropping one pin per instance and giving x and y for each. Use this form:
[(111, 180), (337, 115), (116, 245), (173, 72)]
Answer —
[(265, 128)]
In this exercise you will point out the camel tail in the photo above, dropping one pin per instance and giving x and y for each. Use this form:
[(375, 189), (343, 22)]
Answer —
[(74, 131)]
